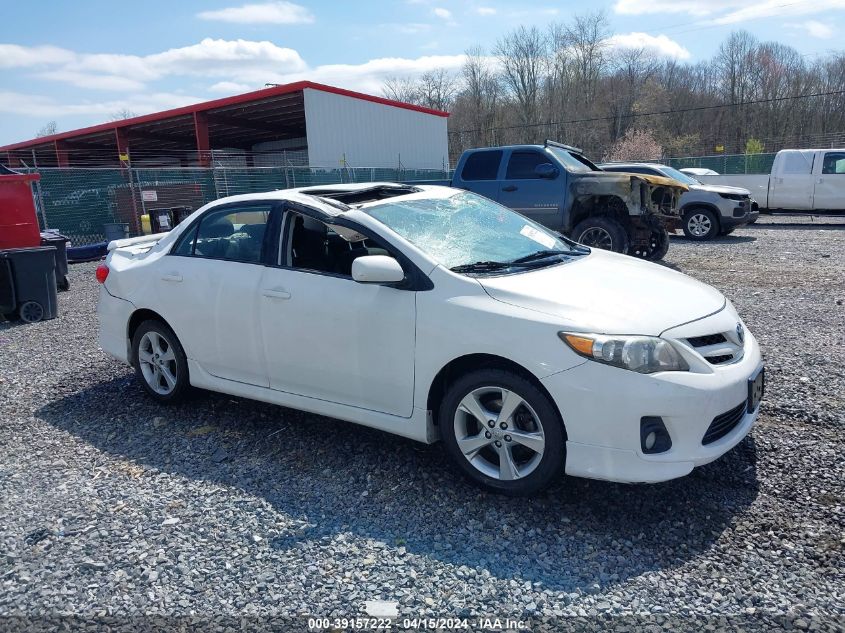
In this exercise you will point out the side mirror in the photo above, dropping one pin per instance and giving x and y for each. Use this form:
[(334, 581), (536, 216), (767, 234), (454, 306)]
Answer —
[(377, 269), (546, 170)]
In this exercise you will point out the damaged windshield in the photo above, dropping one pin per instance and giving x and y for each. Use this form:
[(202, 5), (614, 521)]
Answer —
[(469, 233)]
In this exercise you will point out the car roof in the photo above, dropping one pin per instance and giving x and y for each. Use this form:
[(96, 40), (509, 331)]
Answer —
[(310, 196)]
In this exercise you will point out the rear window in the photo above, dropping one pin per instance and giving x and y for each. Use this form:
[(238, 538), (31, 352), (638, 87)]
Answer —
[(482, 166)]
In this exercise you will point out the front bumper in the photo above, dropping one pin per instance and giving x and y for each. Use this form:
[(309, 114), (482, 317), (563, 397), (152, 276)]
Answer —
[(602, 408)]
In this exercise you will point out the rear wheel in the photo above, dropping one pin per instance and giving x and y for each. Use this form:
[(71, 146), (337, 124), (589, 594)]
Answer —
[(31, 312), (160, 362), (601, 232), (502, 432), (700, 224)]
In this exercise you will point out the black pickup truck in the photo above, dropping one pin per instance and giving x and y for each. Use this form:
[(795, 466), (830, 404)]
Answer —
[(556, 185)]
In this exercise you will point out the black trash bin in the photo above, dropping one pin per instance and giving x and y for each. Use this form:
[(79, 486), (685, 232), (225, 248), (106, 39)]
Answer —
[(161, 220), (28, 284), (180, 213), (60, 242)]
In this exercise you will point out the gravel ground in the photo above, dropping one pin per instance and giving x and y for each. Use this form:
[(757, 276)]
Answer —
[(113, 507)]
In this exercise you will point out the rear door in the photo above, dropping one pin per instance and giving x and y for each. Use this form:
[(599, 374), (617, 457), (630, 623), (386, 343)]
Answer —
[(208, 287), (829, 191), (791, 186), (480, 173), (525, 192)]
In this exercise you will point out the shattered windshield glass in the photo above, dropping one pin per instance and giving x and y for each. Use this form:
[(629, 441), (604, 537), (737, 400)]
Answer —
[(465, 229)]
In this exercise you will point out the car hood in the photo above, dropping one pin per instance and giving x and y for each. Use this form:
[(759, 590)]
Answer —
[(720, 189), (608, 293)]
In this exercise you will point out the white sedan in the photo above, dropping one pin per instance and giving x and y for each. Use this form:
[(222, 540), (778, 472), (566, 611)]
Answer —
[(437, 314)]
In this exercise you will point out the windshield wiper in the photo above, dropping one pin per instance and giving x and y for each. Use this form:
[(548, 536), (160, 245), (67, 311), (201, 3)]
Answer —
[(544, 254), (479, 267)]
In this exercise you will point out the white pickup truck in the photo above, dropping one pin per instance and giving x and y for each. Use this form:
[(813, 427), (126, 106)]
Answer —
[(801, 180)]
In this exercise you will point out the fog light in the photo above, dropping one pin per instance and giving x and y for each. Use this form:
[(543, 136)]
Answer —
[(654, 438)]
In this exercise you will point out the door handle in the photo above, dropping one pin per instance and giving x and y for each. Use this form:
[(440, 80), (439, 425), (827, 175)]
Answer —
[(510, 188), (276, 293), (175, 277), (820, 180)]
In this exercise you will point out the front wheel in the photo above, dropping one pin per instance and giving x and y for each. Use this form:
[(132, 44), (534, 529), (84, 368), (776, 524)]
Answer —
[(601, 232), (657, 247), (160, 362), (502, 432), (700, 224)]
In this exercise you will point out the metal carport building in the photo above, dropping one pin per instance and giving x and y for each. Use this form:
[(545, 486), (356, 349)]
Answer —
[(303, 123)]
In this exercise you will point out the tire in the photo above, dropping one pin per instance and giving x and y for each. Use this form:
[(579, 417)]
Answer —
[(601, 232), (160, 362), (700, 224), (535, 418), (657, 248), (31, 312)]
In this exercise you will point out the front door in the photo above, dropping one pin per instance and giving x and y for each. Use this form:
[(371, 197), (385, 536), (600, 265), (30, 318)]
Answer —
[(329, 337), (525, 192), (830, 183)]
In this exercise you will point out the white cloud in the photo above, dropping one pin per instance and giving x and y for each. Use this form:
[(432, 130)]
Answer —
[(440, 12), (232, 87), (692, 7), (727, 11), (770, 8), (485, 11), (267, 13), (90, 81), (14, 56), (658, 45), (41, 107), (816, 29)]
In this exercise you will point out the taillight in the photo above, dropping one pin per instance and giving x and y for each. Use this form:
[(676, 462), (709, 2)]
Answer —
[(102, 273)]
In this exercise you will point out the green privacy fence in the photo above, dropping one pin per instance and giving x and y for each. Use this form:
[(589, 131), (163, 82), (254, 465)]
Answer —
[(79, 201), (728, 164)]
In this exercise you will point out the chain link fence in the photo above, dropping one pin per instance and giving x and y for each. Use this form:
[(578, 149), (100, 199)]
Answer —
[(727, 163), (77, 202)]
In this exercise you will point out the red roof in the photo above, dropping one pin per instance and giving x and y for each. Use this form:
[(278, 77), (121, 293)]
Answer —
[(205, 106)]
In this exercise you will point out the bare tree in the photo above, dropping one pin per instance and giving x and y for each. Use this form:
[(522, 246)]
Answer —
[(400, 89), (123, 113), (48, 130), (522, 56), (436, 89)]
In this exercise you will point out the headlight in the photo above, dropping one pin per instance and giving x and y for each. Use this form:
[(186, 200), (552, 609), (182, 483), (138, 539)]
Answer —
[(643, 354)]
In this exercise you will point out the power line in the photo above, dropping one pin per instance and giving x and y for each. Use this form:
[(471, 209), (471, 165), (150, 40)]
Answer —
[(657, 113)]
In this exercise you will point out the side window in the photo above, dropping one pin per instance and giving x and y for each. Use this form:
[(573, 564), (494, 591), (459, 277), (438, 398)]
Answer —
[(521, 165), (231, 233), (795, 163), (834, 163), (482, 165), (316, 247)]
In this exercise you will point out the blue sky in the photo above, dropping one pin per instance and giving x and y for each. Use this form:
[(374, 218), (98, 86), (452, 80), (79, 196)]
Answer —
[(79, 63)]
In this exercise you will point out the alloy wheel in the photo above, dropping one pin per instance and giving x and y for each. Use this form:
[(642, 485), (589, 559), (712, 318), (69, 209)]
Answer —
[(597, 237), (157, 361), (699, 224), (499, 433)]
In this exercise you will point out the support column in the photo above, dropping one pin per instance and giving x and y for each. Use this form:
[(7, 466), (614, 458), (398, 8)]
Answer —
[(203, 142), (121, 137), (62, 156)]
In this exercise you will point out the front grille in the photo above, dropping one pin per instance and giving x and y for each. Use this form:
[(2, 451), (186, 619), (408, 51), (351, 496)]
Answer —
[(724, 424), (710, 339), (716, 349)]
